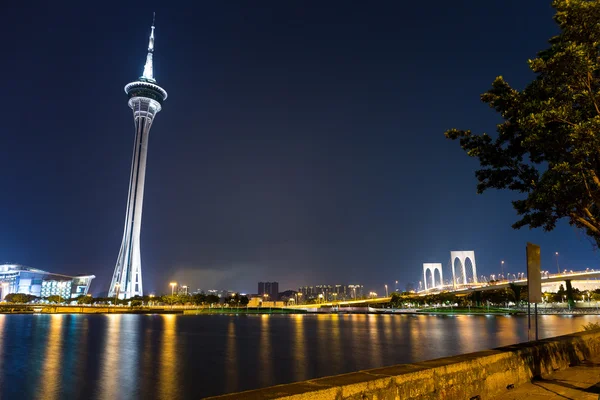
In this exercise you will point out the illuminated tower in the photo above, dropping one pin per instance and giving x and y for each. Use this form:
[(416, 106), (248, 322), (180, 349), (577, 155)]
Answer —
[(145, 99)]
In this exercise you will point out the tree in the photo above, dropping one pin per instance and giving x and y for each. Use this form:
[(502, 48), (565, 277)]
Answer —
[(244, 300), (213, 299), (19, 298), (233, 300), (136, 303), (199, 298), (169, 299), (55, 299), (548, 146), (85, 300)]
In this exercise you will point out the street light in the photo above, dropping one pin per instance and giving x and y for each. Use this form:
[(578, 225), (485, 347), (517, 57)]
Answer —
[(557, 267), (502, 267), (386, 291), (173, 284)]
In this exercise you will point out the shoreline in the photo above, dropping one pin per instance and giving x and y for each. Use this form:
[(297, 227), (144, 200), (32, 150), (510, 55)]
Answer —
[(35, 310)]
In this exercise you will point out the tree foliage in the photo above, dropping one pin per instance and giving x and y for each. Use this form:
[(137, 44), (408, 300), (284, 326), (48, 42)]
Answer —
[(55, 299), (19, 298), (548, 146), (85, 300)]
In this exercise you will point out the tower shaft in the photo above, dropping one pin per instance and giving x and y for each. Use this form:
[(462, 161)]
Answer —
[(128, 270), (145, 99)]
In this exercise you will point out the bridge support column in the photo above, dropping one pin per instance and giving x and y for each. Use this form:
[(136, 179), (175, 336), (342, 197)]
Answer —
[(570, 298), (517, 291), (477, 298)]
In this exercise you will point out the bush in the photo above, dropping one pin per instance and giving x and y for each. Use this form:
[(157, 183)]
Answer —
[(136, 303), (591, 326)]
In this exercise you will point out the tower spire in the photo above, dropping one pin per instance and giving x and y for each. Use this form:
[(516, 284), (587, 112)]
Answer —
[(148, 74)]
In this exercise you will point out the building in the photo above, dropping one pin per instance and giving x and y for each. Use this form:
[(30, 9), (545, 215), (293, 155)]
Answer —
[(145, 99), (21, 279), (270, 289), (331, 292)]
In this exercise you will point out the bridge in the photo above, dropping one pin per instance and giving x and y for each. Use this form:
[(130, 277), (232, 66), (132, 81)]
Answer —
[(502, 284), (460, 289)]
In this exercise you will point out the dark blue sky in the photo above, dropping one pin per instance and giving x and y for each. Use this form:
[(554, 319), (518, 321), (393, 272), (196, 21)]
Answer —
[(302, 141)]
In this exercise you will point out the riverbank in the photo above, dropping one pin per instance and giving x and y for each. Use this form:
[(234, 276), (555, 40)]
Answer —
[(481, 375), (193, 310), (58, 309), (470, 311)]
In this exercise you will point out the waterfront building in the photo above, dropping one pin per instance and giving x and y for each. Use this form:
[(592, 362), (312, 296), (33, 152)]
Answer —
[(145, 99), (271, 289), (16, 278)]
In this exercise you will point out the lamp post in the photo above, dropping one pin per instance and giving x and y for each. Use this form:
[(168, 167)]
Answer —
[(557, 267), (386, 291), (502, 267)]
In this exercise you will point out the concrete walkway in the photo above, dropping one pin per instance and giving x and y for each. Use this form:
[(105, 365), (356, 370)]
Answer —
[(577, 383)]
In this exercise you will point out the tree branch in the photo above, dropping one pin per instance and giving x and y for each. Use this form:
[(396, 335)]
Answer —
[(585, 223), (589, 86)]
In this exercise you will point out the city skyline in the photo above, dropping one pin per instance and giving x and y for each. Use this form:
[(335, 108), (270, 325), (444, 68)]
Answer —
[(303, 143)]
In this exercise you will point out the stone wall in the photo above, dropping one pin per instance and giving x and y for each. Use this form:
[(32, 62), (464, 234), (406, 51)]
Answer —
[(480, 375)]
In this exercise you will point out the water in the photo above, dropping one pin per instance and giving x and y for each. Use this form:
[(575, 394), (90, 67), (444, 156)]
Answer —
[(187, 357)]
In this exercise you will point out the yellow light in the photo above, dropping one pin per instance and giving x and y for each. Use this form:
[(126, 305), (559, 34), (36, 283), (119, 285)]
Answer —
[(173, 284)]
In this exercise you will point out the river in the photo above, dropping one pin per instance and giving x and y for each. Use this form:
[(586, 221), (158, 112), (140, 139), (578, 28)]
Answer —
[(70, 356)]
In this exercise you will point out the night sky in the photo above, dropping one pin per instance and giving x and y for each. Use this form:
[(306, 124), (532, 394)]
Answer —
[(302, 141)]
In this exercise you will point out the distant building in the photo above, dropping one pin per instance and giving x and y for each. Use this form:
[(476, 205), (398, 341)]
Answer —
[(331, 292), (21, 279), (271, 289)]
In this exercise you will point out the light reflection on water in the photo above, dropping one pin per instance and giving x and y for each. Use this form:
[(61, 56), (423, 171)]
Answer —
[(178, 357), (50, 384), (169, 363), (110, 358)]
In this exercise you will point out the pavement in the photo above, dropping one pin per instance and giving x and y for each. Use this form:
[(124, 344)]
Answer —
[(581, 382)]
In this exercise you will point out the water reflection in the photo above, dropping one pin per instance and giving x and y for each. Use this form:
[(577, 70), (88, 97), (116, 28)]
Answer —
[(50, 385), (128, 347), (416, 351), (231, 366), (168, 377), (298, 349), (265, 356), (169, 357), (336, 343), (373, 339), (2, 319), (81, 335), (467, 336), (109, 383)]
